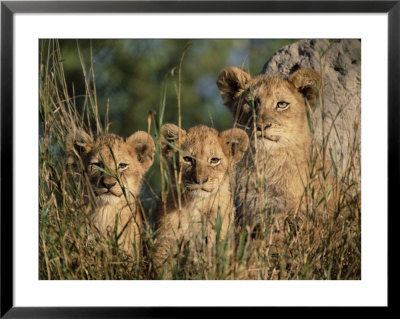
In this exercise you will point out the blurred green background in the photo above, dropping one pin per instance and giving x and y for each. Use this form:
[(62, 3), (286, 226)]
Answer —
[(130, 76)]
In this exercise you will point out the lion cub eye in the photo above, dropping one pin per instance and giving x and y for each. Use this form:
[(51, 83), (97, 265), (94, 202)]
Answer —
[(122, 166), (215, 161), (281, 105), (188, 159)]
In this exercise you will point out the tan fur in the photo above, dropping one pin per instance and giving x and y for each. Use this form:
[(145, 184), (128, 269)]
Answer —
[(115, 168), (206, 161), (277, 168)]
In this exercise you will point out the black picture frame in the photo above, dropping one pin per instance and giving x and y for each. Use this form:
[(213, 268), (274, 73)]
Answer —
[(9, 8)]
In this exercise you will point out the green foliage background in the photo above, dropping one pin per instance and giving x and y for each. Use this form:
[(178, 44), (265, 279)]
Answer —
[(130, 76)]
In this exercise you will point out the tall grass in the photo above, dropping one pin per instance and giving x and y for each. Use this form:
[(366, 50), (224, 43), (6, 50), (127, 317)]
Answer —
[(71, 248)]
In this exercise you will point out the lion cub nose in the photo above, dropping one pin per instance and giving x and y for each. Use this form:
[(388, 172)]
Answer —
[(200, 180), (263, 126), (107, 184)]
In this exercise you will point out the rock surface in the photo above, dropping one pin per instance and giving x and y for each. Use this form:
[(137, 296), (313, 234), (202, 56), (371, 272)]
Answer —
[(339, 61)]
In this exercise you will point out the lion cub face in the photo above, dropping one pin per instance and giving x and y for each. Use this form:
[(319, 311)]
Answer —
[(114, 165), (272, 109), (206, 155)]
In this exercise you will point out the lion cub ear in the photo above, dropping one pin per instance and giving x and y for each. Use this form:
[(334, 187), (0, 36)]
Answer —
[(231, 83), (144, 147), (234, 143), (308, 83), (170, 135), (78, 144)]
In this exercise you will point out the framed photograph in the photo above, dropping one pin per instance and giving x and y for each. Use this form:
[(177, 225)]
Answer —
[(163, 155)]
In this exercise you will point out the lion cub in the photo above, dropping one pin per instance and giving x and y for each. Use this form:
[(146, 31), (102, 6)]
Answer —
[(281, 161), (206, 160), (115, 168)]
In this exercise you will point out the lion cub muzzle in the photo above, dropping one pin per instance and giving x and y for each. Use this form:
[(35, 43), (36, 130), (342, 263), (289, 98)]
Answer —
[(107, 186), (199, 173), (264, 130), (198, 177)]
